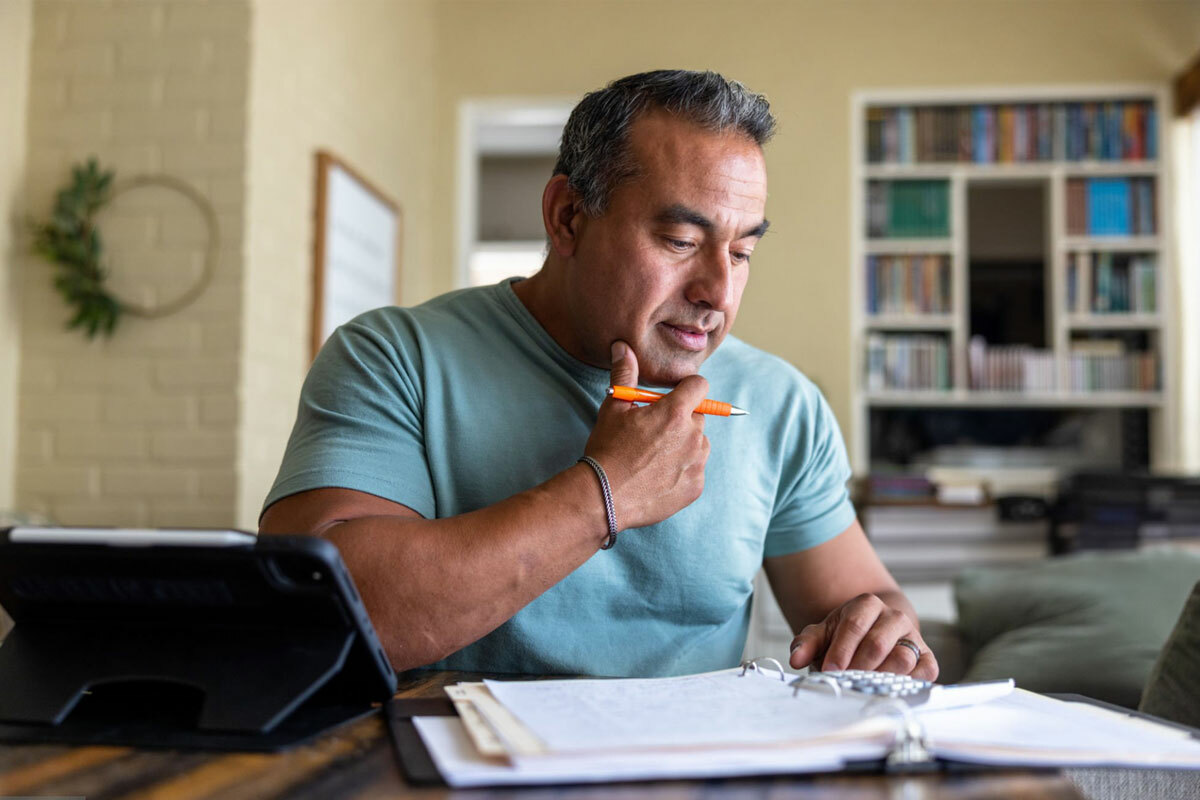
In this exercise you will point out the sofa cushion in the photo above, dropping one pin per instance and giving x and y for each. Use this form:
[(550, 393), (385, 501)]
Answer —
[(1091, 624), (1173, 691)]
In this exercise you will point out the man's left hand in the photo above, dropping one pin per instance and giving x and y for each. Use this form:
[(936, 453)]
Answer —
[(864, 633)]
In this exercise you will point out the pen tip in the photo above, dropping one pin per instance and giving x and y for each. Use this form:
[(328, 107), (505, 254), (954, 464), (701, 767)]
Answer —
[(609, 391), (738, 412)]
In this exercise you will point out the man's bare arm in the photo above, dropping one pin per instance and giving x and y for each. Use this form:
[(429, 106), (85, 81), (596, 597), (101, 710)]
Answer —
[(433, 586), (846, 608)]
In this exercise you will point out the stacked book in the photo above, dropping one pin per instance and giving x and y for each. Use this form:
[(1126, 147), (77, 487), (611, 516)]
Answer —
[(1111, 283), (1010, 368), (914, 362), (923, 542), (915, 284), (1110, 207), (1012, 132), (1102, 365), (909, 208)]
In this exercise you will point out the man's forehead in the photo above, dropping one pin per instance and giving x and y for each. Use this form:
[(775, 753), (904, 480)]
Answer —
[(660, 135), (681, 163)]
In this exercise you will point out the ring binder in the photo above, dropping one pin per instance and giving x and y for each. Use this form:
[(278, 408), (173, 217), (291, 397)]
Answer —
[(751, 665), (909, 751), (586, 730)]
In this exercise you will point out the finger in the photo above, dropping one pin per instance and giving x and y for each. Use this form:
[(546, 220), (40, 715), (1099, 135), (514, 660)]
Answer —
[(853, 623), (687, 394), (927, 668), (807, 645), (902, 660), (624, 365), (879, 645)]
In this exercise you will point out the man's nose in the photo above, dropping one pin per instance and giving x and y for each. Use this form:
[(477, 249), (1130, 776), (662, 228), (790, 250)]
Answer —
[(712, 282)]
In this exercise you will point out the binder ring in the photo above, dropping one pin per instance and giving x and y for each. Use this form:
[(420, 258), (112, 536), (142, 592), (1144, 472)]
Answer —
[(751, 665), (911, 748), (816, 680)]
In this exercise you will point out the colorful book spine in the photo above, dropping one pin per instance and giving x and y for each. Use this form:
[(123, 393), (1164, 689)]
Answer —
[(908, 362), (908, 284)]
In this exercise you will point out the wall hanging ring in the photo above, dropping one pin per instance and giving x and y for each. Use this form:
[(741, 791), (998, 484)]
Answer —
[(211, 253), (70, 241)]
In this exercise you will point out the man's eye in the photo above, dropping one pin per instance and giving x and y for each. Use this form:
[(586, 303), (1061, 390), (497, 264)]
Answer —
[(740, 258), (679, 244)]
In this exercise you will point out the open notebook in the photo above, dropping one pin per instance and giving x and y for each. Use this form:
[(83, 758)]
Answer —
[(733, 722)]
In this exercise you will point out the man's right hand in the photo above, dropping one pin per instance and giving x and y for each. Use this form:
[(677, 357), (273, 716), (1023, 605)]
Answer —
[(654, 455)]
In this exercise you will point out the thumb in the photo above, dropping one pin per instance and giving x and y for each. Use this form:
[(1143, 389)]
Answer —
[(624, 365), (807, 646)]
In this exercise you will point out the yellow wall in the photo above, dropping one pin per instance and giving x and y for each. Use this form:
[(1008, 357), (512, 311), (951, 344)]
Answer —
[(807, 57), (356, 79), (16, 23)]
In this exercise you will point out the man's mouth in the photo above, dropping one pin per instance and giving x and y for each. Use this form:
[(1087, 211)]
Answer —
[(689, 337)]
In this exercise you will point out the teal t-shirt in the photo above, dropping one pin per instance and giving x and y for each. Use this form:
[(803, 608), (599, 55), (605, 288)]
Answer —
[(465, 400)]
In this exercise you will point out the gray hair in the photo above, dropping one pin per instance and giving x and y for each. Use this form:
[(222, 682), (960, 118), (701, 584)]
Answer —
[(594, 152)]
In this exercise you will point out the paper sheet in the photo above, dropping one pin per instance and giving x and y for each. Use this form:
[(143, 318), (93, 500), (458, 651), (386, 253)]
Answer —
[(1027, 728), (709, 710), (462, 766)]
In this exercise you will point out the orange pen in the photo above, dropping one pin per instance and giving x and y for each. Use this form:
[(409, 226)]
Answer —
[(706, 407)]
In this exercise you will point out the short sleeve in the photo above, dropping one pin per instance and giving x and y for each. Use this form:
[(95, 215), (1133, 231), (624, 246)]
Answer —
[(813, 503), (359, 422)]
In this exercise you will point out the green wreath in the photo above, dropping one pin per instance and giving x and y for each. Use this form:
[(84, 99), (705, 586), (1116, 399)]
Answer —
[(71, 241)]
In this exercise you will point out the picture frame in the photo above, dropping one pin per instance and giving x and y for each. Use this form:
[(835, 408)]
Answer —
[(357, 247)]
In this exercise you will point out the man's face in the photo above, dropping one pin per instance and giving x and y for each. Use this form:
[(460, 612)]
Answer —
[(663, 269)]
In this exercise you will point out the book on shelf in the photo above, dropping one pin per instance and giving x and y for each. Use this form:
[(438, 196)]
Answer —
[(1009, 368), (908, 284), (908, 209), (913, 362), (1112, 283), (940, 522), (1102, 365), (952, 554), (988, 133), (1111, 207)]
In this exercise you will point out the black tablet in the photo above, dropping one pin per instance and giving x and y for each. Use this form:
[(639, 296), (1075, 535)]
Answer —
[(182, 638)]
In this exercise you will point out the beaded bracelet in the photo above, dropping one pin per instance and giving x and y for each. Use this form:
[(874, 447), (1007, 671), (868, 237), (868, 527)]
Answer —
[(609, 510)]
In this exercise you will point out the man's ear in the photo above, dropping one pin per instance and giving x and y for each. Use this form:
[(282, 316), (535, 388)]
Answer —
[(561, 215)]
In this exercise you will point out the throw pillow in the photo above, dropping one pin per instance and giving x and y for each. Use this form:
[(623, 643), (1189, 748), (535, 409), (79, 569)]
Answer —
[(1173, 691), (1091, 624)]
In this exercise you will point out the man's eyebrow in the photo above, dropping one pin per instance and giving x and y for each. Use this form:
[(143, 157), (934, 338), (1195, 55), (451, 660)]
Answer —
[(680, 214)]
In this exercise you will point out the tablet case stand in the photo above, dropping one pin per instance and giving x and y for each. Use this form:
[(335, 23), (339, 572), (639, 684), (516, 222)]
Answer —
[(217, 688)]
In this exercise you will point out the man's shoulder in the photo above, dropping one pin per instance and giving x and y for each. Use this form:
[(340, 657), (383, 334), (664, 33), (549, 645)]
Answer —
[(737, 360), (432, 316)]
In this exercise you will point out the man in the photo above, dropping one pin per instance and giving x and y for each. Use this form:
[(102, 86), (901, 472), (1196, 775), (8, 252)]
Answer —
[(439, 447)]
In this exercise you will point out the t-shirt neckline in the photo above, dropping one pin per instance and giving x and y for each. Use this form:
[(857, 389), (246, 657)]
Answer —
[(581, 371)]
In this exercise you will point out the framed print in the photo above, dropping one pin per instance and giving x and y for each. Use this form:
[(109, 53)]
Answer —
[(356, 264)]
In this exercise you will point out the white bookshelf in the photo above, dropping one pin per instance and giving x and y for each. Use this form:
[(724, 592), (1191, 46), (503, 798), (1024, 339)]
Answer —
[(1060, 323)]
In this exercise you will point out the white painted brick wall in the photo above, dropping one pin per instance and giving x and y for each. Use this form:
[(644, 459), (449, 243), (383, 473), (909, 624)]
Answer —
[(16, 26), (141, 429)]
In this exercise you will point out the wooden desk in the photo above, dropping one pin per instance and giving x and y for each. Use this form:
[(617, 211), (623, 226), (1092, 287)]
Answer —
[(357, 762)]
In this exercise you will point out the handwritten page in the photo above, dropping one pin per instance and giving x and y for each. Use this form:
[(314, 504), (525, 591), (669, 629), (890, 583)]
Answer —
[(707, 710)]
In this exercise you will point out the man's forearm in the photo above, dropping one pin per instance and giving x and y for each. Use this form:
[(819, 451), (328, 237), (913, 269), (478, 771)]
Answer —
[(434, 586)]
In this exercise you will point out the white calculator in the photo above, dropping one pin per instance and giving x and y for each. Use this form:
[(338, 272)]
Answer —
[(915, 692)]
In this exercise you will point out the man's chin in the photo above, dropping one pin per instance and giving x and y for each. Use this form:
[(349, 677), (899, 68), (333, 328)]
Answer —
[(670, 373)]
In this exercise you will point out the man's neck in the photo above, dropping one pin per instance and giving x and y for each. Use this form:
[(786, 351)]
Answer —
[(539, 293)]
